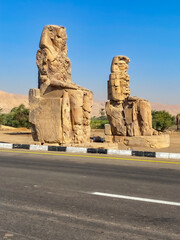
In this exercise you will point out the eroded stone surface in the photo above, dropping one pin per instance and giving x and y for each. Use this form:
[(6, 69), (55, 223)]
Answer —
[(128, 116), (118, 84), (108, 133), (60, 110), (159, 141)]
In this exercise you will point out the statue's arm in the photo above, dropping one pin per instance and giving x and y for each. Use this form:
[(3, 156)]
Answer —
[(70, 85), (57, 83)]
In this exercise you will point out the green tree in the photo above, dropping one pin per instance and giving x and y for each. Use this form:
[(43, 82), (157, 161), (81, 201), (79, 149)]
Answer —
[(161, 120), (18, 117), (98, 122), (2, 117)]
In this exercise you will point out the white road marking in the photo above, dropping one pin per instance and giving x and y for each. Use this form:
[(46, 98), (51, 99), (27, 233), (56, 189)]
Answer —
[(136, 198)]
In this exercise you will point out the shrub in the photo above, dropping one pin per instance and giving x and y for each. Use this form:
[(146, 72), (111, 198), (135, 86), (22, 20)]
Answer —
[(2, 117), (98, 122), (18, 117), (161, 120)]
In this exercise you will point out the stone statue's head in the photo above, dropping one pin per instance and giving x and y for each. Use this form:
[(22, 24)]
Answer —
[(119, 64), (118, 85), (53, 37), (51, 58)]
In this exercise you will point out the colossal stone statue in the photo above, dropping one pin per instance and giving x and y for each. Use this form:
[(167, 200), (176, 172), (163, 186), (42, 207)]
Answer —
[(128, 116), (59, 110)]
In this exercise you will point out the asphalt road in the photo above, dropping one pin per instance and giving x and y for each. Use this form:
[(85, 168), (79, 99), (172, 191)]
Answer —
[(50, 197)]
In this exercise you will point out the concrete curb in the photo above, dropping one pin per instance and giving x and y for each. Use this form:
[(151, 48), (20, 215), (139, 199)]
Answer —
[(91, 150)]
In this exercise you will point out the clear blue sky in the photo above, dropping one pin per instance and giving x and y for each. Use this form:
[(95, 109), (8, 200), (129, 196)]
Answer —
[(148, 32)]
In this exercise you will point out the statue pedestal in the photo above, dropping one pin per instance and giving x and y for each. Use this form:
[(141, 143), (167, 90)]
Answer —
[(155, 141), (57, 119)]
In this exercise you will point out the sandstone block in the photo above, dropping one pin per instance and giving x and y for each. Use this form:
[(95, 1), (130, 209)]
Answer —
[(107, 129), (108, 139), (47, 121)]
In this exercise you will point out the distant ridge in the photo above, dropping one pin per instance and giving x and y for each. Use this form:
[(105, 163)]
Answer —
[(171, 108), (10, 100)]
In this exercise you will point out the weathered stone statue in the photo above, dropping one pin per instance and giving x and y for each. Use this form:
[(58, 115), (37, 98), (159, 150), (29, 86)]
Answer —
[(178, 122), (59, 110), (128, 116)]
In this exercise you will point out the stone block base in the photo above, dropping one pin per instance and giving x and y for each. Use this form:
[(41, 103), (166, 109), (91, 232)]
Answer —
[(60, 120), (158, 141)]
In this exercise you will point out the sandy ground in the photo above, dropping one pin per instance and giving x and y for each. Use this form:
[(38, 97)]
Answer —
[(23, 136)]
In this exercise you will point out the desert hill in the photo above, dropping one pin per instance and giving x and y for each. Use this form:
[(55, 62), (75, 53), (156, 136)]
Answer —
[(171, 108), (10, 100)]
